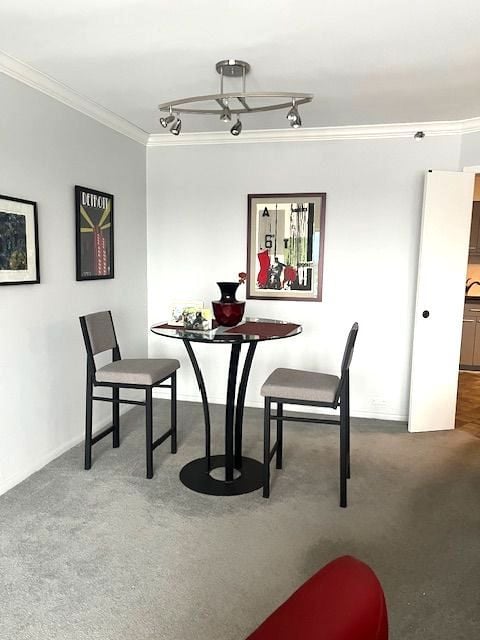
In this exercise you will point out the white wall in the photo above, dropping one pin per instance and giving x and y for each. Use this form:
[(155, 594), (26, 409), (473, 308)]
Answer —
[(197, 220), (45, 149), (470, 150)]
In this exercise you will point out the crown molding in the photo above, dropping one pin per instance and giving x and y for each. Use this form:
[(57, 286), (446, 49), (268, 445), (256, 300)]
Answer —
[(472, 125), (37, 80), (358, 132), (26, 74)]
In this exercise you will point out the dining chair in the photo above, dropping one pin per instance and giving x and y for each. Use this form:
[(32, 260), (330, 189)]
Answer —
[(310, 388), (145, 373)]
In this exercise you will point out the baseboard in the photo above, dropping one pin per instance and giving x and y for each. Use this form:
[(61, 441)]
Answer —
[(394, 417), (373, 415), (12, 481)]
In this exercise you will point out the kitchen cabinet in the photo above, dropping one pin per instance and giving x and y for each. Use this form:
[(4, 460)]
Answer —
[(474, 244), (468, 341), (470, 348), (476, 190)]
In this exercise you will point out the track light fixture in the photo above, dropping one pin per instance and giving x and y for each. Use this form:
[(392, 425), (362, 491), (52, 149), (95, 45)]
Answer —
[(235, 103), (293, 113), (176, 127), (296, 122), (237, 128), (226, 113), (166, 120), (293, 116)]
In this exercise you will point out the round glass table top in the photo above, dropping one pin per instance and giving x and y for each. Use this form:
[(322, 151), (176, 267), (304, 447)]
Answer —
[(249, 330)]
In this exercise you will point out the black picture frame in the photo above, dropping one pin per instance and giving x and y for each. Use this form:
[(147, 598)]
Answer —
[(19, 250), (285, 246), (94, 235)]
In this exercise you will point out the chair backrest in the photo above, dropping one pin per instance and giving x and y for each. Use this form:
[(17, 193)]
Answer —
[(347, 356), (98, 332), (346, 360)]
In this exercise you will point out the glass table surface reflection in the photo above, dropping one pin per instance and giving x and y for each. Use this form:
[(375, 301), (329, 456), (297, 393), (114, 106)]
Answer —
[(249, 330)]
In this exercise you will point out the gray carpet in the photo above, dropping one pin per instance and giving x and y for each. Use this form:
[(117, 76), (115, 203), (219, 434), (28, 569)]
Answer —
[(108, 555)]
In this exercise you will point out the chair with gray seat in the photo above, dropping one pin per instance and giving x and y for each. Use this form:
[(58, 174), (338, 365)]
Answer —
[(147, 374), (310, 388)]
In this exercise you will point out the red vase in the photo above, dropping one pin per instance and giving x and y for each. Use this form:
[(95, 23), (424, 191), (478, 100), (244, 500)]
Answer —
[(228, 311)]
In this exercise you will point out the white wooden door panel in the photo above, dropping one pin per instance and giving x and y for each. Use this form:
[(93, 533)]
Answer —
[(442, 267)]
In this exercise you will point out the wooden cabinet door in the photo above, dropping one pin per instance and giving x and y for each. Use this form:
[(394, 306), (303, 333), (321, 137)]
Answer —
[(476, 346), (474, 243), (468, 342)]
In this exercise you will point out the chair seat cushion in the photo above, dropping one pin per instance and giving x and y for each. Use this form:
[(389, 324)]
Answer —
[(144, 371), (296, 384)]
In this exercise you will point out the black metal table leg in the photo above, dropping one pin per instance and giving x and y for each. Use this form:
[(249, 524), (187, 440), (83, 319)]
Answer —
[(203, 392), (196, 474), (236, 474), (230, 410), (241, 403)]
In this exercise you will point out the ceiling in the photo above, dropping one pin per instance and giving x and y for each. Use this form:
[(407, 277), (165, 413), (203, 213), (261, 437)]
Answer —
[(381, 61)]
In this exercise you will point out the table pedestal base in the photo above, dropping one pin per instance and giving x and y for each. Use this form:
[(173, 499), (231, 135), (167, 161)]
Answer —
[(195, 476)]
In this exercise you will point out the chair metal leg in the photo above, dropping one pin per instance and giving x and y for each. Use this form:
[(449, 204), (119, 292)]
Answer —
[(149, 431), (266, 448), (343, 451), (116, 417), (88, 423), (173, 412), (347, 412), (279, 454)]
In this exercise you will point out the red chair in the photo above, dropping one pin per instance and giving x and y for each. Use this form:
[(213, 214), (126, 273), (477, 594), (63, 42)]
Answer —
[(342, 601)]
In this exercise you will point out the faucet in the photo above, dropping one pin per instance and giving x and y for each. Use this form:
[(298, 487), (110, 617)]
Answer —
[(469, 286)]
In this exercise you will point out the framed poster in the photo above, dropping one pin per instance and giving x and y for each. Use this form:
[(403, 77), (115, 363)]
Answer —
[(285, 245), (19, 257), (94, 234)]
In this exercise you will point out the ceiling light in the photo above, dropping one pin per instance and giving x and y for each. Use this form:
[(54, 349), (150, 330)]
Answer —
[(296, 122), (166, 120), (237, 128), (293, 113), (419, 136), (236, 103), (176, 127)]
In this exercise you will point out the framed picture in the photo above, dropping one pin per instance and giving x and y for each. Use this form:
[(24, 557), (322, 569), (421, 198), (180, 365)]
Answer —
[(94, 234), (285, 244), (19, 258)]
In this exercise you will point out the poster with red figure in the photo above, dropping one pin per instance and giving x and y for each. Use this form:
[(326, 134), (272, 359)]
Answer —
[(94, 234), (285, 246)]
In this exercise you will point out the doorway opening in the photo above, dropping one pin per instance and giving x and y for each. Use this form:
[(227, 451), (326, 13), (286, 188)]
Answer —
[(467, 416)]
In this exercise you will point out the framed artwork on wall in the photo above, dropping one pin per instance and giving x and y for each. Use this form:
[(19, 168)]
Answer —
[(285, 246), (94, 234), (19, 255)]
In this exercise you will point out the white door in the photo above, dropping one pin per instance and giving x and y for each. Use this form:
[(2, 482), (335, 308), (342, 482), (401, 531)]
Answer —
[(442, 267)]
